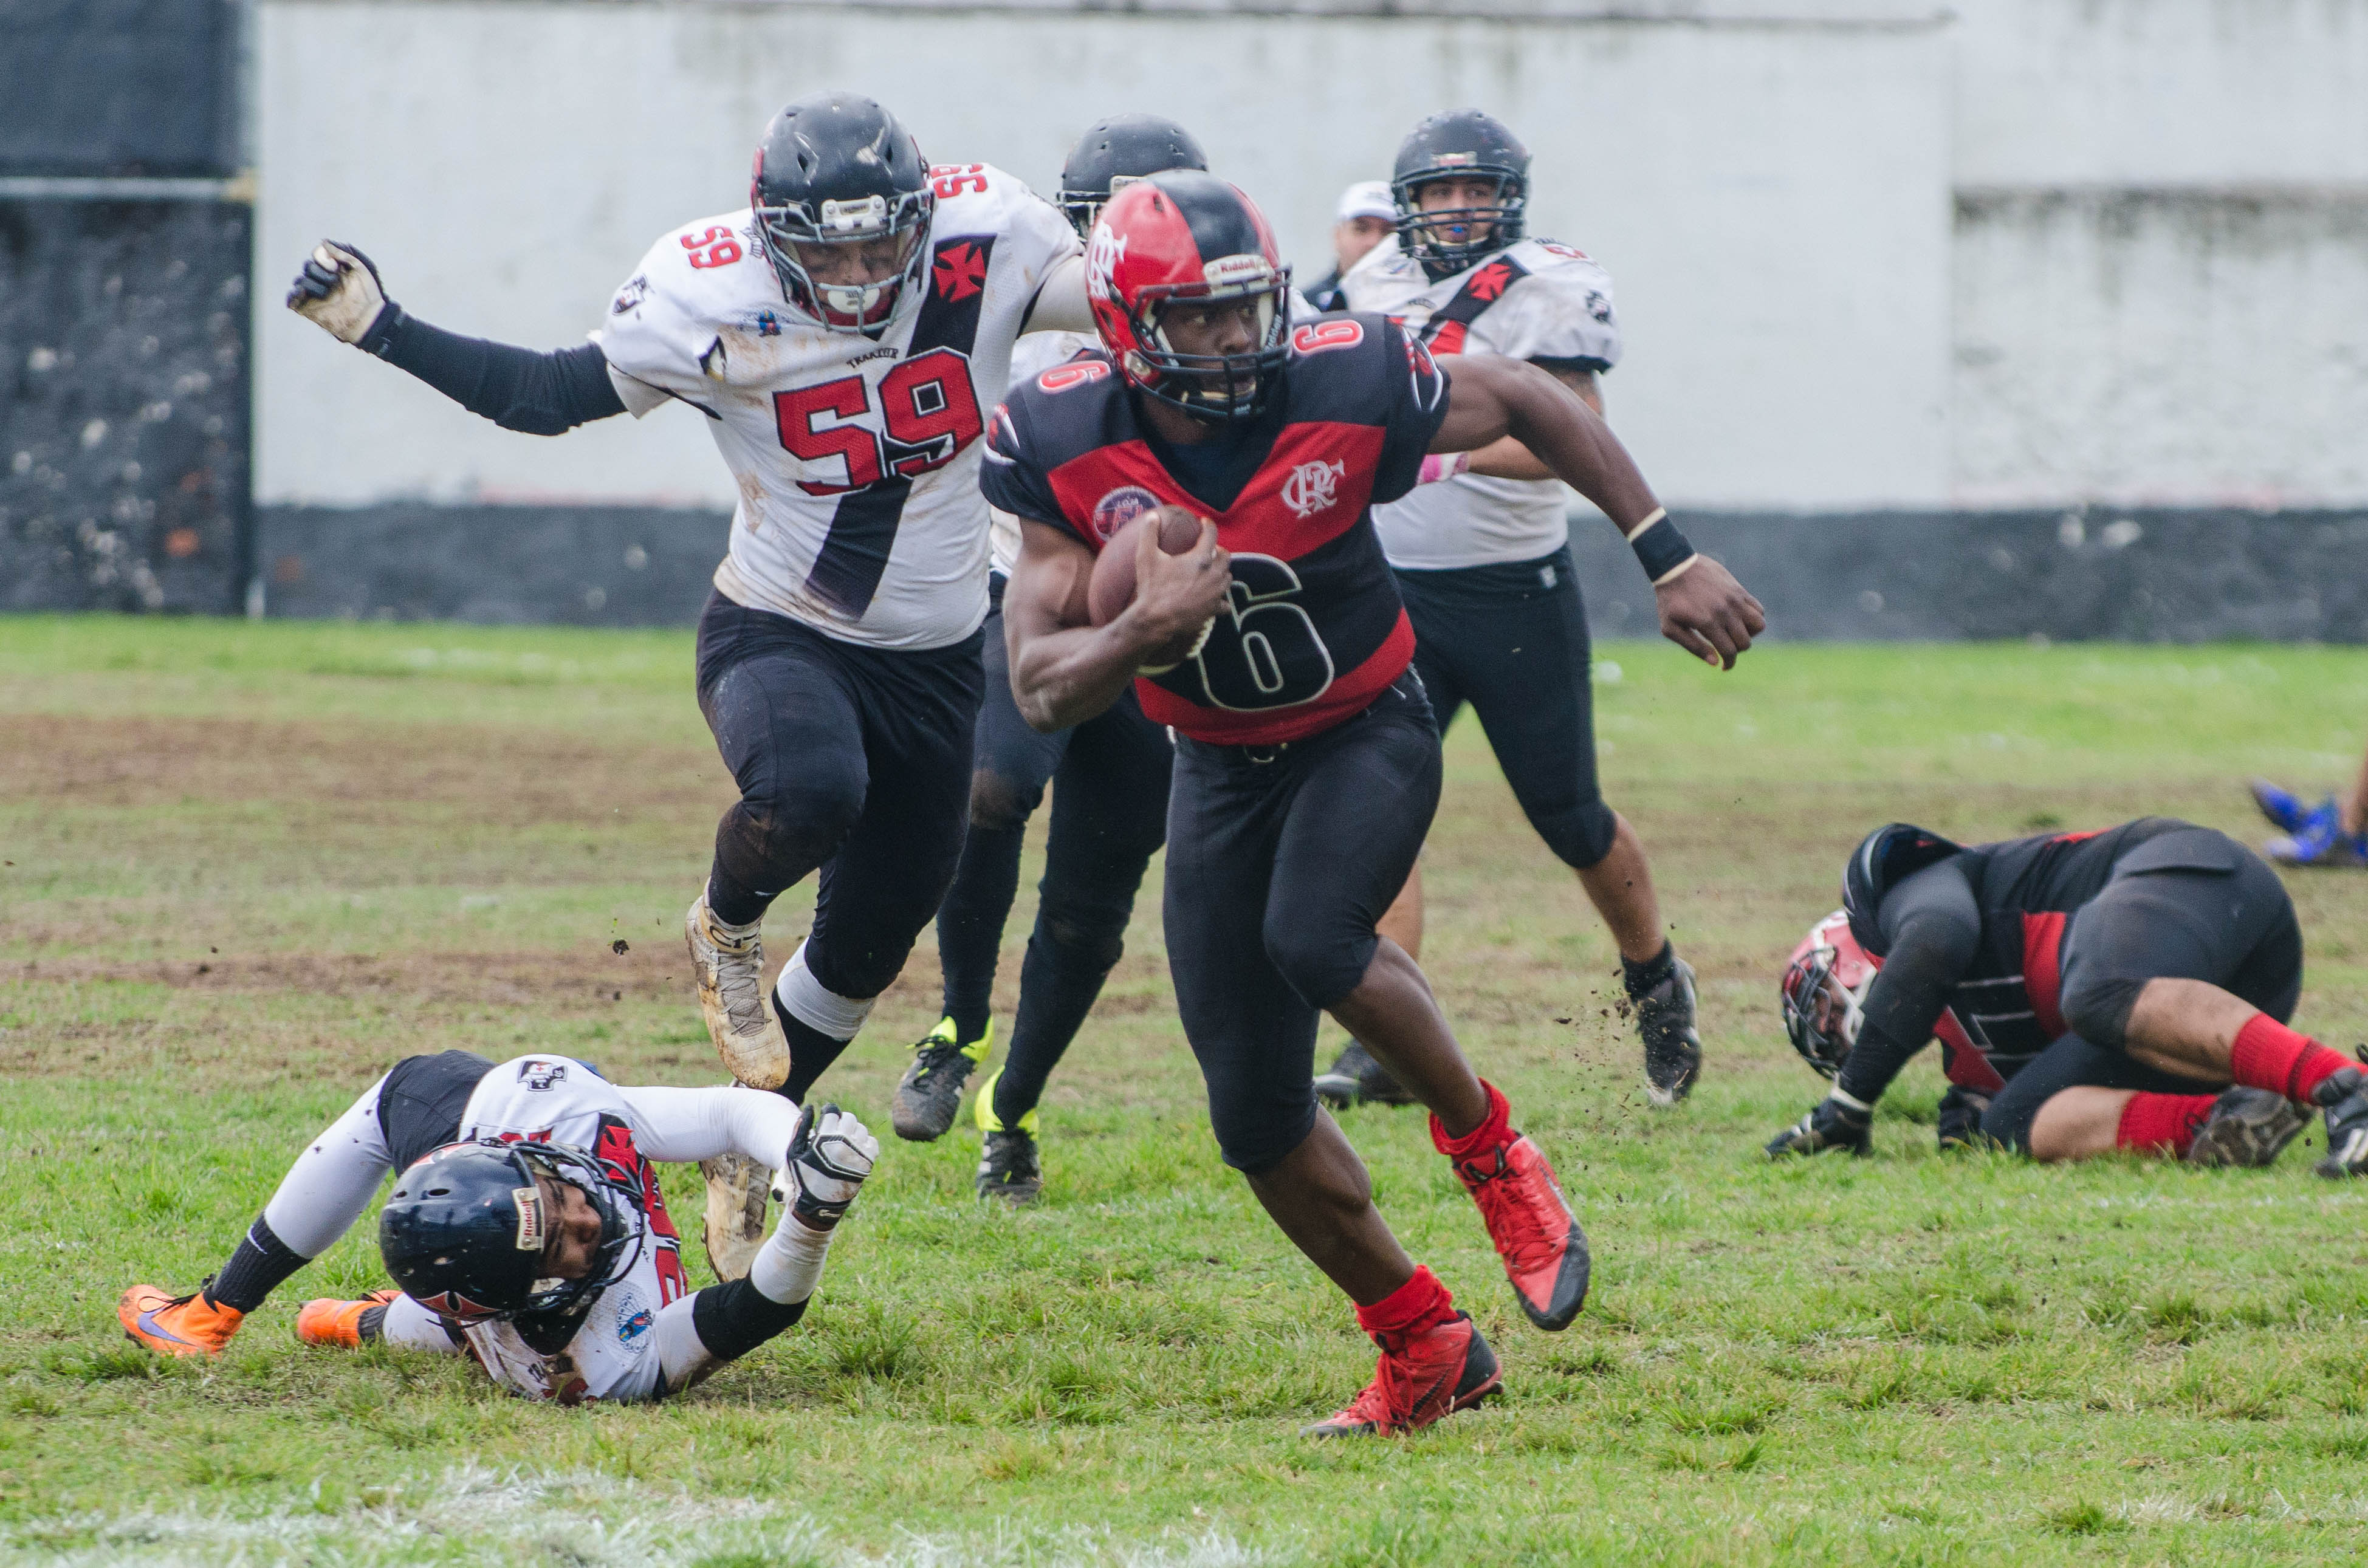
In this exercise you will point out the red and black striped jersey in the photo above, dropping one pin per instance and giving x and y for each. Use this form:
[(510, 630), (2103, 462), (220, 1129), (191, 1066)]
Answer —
[(1313, 631)]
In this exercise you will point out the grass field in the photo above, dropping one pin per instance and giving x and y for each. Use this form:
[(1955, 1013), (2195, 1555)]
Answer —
[(247, 865)]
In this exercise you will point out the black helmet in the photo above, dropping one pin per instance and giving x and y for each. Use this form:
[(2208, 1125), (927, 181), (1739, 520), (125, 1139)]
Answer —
[(1465, 143), (464, 1232), (1116, 151), (838, 169), (1883, 860)]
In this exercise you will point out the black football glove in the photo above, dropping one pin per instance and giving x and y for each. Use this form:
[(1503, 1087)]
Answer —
[(1835, 1124), (2345, 1097), (338, 290), (830, 1154)]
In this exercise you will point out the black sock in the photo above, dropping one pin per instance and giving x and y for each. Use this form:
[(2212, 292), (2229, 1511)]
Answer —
[(1641, 978), (810, 1053), (254, 1271), (971, 920), (1058, 982)]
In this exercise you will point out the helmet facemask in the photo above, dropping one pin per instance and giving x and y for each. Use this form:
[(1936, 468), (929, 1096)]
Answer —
[(1822, 1014), (1486, 229), (1083, 208), (791, 234), (622, 1232), (1218, 388)]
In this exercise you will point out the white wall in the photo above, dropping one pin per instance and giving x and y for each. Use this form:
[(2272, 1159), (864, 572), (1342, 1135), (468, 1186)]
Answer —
[(1869, 253), (1772, 201)]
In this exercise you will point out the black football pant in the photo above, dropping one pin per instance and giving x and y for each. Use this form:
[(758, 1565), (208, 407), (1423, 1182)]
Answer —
[(1281, 862), (1511, 640), (850, 760), (2235, 930), (1109, 813)]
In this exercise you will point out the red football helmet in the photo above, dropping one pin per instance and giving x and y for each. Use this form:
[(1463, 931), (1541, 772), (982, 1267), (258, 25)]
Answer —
[(1825, 988), (1183, 236)]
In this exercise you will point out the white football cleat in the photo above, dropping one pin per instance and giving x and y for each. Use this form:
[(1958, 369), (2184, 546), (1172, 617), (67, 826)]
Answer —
[(737, 1189), (728, 963)]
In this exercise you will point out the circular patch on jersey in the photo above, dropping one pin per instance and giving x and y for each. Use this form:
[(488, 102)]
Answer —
[(1120, 507), (634, 1321)]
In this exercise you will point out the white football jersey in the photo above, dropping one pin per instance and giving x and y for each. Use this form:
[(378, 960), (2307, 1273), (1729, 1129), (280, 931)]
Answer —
[(614, 1354), (1536, 299), (857, 456)]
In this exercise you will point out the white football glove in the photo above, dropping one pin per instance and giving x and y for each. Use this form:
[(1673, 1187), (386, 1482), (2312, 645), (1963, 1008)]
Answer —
[(830, 1155), (338, 290)]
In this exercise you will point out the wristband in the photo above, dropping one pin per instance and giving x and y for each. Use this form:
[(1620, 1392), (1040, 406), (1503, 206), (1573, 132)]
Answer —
[(1661, 550), (1442, 465), (377, 339)]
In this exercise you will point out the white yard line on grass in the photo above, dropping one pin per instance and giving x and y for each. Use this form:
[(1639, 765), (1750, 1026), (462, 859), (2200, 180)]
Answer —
[(475, 1514)]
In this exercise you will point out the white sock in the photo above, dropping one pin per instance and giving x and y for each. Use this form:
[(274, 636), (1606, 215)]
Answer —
[(802, 997), (789, 1263)]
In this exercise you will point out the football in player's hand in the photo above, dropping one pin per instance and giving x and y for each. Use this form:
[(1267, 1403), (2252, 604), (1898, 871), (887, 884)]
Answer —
[(1112, 588)]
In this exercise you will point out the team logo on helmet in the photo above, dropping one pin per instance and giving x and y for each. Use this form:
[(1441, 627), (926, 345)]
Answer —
[(538, 1074), (1120, 507), (1313, 487), (1102, 256)]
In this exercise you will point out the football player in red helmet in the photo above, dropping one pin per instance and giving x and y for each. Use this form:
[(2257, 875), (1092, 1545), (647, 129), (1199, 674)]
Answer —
[(2124, 989), (1307, 763)]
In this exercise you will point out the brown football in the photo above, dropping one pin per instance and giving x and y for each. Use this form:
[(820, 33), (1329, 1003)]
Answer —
[(1112, 588)]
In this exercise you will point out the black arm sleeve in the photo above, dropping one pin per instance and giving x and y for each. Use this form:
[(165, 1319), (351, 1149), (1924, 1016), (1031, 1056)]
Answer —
[(518, 388), (1933, 924), (732, 1320)]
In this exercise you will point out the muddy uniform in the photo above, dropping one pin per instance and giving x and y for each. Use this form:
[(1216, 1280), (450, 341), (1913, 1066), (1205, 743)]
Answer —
[(1307, 764), (839, 659)]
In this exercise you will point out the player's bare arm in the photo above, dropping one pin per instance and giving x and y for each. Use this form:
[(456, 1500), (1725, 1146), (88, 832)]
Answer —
[(1065, 669), (1703, 610), (1507, 459)]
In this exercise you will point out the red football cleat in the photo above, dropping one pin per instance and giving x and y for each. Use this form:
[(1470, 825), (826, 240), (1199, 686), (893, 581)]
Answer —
[(1535, 1233), (1423, 1377), (331, 1322)]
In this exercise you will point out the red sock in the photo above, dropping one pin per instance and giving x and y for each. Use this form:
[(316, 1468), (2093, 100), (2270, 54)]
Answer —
[(2268, 1055), (1496, 1129), (2156, 1122), (1421, 1302)]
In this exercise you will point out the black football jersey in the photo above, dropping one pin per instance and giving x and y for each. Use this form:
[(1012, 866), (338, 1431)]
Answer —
[(1312, 629)]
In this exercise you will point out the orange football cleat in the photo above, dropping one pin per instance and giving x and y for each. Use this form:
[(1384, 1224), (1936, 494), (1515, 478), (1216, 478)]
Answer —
[(332, 1321), (1423, 1377), (176, 1325)]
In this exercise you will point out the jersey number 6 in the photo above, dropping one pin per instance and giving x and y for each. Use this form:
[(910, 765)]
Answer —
[(1264, 651), (927, 407)]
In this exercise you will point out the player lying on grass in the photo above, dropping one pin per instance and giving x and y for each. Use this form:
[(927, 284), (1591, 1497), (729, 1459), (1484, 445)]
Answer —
[(1307, 766), (526, 1227), (2126, 989), (2333, 832)]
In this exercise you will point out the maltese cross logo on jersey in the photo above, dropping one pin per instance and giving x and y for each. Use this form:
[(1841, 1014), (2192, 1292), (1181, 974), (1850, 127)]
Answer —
[(1489, 282), (1311, 487), (961, 271)]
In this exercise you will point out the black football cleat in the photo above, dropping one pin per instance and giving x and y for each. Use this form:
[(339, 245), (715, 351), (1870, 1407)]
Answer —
[(1357, 1079), (1665, 1016), (2246, 1127), (929, 1096), (1009, 1168)]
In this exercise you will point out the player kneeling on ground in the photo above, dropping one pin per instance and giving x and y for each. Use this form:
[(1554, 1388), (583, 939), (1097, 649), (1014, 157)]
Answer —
[(526, 1227), (2126, 989), (1307, 764)]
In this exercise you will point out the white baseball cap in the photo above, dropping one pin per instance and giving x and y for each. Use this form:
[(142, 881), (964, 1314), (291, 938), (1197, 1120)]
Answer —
[(1366, 198)]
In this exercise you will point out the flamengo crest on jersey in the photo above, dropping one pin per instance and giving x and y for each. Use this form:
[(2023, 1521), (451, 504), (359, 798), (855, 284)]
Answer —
[(1534, 300), (856, 457), (613, 1355)]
